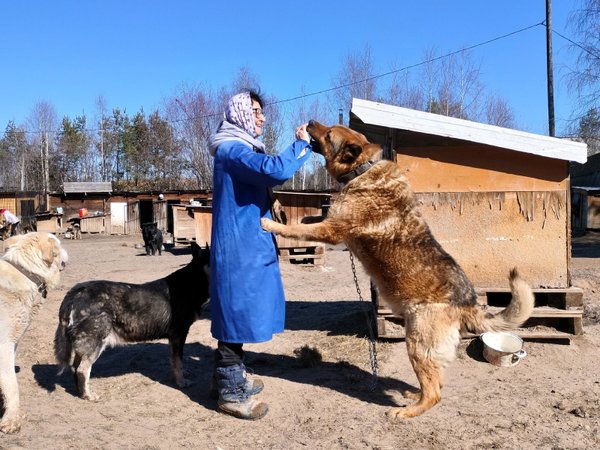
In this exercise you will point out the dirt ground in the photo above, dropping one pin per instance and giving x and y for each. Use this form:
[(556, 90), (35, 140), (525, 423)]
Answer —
[(551, 400)]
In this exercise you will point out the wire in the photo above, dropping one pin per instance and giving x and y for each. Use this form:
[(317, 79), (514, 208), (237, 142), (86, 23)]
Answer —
[(342, 86), (412, 66), (585, 49)]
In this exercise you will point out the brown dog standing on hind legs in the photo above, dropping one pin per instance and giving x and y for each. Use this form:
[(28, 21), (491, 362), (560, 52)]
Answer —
[(376, 215)]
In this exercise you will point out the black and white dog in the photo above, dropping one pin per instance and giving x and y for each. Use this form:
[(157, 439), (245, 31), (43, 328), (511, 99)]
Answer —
[(153, 238), (97, 314)]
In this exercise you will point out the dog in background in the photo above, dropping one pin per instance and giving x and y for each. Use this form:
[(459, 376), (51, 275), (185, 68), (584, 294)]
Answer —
[(376, 215), (30, 266), (153, 238), (73, 232), (97, 314)]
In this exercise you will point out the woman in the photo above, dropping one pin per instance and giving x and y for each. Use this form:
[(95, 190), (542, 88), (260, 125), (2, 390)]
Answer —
[(247, 299), (10, 221)]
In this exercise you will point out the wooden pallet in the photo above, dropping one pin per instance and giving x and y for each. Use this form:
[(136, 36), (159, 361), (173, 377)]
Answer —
[(558, 314), (303, 255)]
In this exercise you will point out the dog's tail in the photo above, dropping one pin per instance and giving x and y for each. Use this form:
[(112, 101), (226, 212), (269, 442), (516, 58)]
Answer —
[(477, 320), (63, 350)]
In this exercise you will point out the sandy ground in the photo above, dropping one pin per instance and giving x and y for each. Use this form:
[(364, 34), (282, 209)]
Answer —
[(551, 400)]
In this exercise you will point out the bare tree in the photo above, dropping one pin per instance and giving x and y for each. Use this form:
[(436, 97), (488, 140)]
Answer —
[(585, 77), (101, 121), (469, 86), (498, 112), (43, 123), (402, 92), (194, 114), (355, 79)]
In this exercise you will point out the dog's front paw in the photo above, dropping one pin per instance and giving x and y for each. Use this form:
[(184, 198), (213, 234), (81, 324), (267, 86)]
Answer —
[(10, 425), (91, 396), (184, 382), (268, 225)]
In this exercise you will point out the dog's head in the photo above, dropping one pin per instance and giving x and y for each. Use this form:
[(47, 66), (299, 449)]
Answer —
[(343, 149), (149, 230), (38, 252), (201, 259)]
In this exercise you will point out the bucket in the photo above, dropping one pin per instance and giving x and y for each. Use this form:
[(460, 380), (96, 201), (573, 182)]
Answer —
[(502, 349), (83, 212)]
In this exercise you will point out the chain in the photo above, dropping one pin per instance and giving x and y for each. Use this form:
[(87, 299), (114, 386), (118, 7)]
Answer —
[(372, 345)]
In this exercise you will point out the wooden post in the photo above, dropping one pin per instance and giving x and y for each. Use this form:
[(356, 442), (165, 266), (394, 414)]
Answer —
[(549, 68)]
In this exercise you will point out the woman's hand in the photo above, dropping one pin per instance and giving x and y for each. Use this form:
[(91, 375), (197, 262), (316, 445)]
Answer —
[(301, 133)]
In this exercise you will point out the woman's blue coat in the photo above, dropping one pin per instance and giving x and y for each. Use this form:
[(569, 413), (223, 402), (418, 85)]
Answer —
[(247, 299)]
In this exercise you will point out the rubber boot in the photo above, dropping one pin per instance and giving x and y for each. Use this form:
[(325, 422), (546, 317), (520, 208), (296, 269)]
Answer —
[(252, 386), (233, 398)]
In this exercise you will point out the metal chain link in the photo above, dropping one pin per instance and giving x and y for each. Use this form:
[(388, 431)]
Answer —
[(372, 342)]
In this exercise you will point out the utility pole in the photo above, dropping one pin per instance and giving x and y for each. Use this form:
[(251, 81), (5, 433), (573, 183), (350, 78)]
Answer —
[(549, 67)]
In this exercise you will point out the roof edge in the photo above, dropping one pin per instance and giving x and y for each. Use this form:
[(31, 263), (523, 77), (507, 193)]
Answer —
[(381, 114)]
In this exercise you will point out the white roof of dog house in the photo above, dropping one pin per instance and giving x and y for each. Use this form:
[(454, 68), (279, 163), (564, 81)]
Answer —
[(380, 114)]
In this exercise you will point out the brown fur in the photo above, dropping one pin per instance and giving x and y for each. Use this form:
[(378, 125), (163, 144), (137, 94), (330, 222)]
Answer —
[(39, 258), (377, 217)]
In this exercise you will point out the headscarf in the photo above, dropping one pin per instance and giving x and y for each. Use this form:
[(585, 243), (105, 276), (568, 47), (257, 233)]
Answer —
[(238, 124)]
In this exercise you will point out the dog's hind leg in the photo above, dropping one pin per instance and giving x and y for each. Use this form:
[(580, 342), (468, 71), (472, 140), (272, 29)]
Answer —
[(11, 420), (430, 350), (82, 377), (428, 375), (82, 366)]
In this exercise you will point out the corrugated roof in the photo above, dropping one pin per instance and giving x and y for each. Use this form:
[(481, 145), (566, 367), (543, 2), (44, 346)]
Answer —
[(380, 114), (89, 187)]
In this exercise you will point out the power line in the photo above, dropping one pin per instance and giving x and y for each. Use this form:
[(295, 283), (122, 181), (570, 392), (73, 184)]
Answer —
[(585, 49), (346, 85), (412, 66)]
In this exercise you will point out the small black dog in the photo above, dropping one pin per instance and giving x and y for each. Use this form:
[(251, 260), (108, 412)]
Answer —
[(97, 314), (153, 238)]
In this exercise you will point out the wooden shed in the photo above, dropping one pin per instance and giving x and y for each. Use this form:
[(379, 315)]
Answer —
[(495, 198), (296, 206), (585, 208), (585, 194), (194, 221), (123, 212), (22, 203)]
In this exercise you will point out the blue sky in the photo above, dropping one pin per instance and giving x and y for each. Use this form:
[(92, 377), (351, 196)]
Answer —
[(137, 53)]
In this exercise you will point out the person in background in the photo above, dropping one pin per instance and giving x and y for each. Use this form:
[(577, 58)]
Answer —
[(10, 220), (247, 298)]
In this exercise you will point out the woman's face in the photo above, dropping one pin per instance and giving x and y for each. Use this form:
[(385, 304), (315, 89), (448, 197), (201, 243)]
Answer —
[(259, 117)]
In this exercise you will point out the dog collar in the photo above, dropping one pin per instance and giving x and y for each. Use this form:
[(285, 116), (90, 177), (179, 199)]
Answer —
[(347, 177), (35, 279)]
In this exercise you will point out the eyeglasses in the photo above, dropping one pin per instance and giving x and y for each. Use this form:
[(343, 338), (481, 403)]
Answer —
[(258, 112)]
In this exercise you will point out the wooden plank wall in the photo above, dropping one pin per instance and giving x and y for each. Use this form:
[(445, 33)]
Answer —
[(296, 206), (160, 214), (203, 224), (493, 209), (132, 222), (184, 226), (71, 207), (96, 224)]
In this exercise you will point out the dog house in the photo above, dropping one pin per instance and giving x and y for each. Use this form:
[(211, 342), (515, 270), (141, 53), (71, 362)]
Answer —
[(585, 208), (294, 207), (495, 198), (585, 195), (194, 221)]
